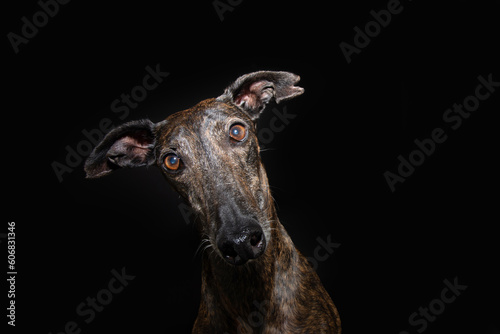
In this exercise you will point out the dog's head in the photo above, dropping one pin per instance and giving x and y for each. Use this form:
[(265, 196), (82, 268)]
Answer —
[(210, 155)]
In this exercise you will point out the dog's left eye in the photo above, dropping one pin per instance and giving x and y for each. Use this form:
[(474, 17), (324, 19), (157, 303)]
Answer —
[(172, 162), (238, 132)]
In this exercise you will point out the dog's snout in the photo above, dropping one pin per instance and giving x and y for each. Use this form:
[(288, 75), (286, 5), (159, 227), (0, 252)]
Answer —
[(238, 248)]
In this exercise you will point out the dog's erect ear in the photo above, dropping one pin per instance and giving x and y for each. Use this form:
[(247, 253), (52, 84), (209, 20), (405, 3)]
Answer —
[(129, 145), (252, 92)]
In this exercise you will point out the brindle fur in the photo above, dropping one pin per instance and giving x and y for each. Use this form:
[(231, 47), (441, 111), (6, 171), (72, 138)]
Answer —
[(226, 185)]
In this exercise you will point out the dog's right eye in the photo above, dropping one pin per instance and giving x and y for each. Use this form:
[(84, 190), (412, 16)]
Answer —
[(238, 132), (172, 162)]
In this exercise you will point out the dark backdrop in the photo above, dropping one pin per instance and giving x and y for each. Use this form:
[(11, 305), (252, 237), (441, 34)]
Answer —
[(394, 250)]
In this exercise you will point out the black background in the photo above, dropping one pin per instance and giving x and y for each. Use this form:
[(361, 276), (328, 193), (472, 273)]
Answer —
[(326, 168)]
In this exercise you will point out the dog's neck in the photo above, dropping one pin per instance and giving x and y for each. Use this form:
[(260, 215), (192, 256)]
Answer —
[(237, 291), (271, 294)]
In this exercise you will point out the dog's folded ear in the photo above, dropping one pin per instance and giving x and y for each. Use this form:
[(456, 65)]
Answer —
[(252, 92), (129, 145)]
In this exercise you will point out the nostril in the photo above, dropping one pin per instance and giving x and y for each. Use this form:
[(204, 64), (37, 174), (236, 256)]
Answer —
[(228, 250), (238, 248), (257, 244), (256, 239)]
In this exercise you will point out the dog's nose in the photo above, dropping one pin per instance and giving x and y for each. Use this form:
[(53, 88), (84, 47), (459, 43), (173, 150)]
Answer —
[(238, 248)]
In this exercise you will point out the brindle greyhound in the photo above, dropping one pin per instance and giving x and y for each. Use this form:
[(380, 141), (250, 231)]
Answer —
[(254, 280)]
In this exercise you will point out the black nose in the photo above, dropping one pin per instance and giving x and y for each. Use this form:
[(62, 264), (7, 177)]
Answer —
[(238, 248)]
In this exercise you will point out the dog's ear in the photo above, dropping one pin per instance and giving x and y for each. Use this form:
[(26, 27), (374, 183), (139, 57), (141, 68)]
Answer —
[(252, 92), (129, 145)]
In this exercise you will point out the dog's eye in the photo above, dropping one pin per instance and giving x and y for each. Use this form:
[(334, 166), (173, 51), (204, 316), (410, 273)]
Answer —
[(238, 132), (172, 162)]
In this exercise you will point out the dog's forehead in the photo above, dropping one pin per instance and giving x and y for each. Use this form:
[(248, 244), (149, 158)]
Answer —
[(207, 113)]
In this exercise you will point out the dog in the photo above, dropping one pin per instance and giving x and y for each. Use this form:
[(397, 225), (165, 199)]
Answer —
[(254, 280)]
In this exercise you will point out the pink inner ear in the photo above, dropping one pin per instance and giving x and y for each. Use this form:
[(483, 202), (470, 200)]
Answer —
[(246, 99), (254, 95), (135, 142), (136, 146)]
